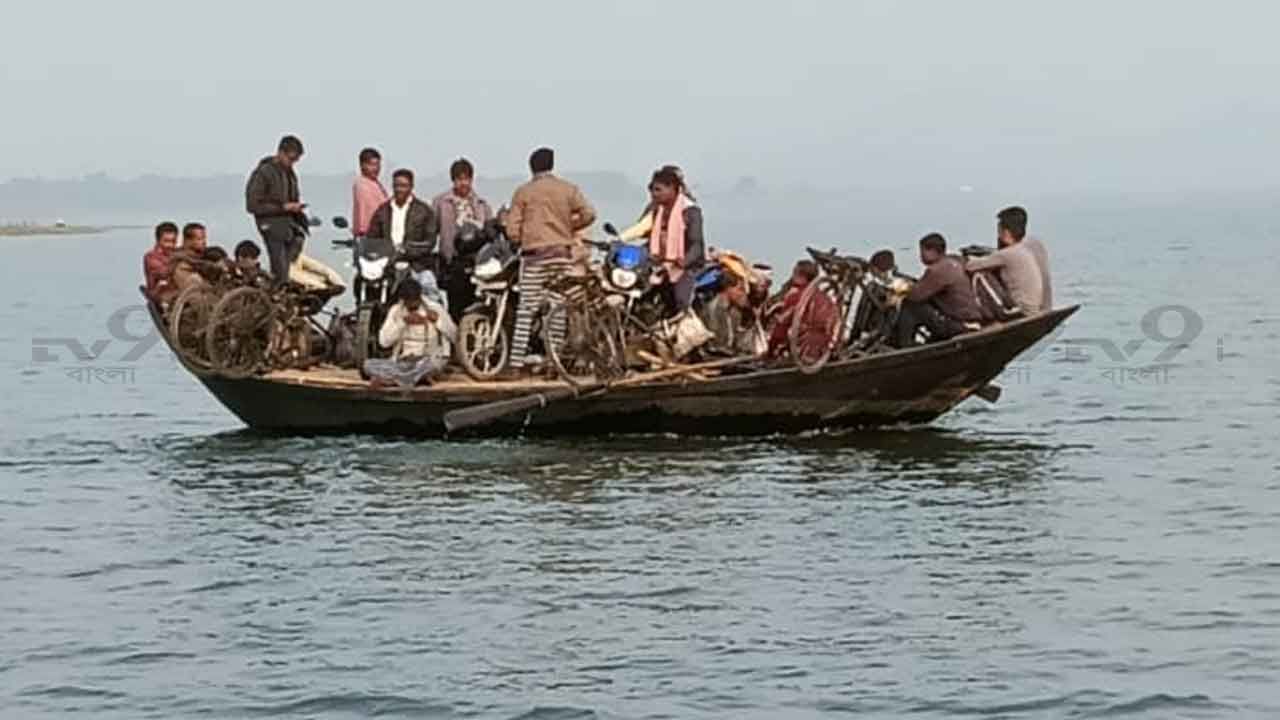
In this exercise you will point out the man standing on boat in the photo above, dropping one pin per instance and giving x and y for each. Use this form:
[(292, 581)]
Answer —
[(367, 192), (456, 207), (1022, 261), (546, 213), (942, 301), (412, 226), (273, 198)]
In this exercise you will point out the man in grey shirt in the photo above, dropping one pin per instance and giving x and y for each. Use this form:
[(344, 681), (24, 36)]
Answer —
[(1022, 262)]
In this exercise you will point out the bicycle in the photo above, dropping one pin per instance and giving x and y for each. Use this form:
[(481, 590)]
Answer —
[(254, 328), (827, 304), (579, 304), (189, 315)]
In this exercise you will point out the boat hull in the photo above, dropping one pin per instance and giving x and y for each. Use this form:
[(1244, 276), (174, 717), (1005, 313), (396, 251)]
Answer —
[(911, 386)]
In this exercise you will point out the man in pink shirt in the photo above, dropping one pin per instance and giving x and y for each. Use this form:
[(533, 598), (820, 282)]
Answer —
[(367, 193)]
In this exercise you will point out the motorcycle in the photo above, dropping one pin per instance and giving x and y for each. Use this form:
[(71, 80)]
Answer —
[(642, 295), (627, 274), (486, 326), (379, 271)]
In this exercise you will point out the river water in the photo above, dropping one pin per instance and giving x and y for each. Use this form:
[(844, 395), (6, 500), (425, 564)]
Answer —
[(1101, 543)]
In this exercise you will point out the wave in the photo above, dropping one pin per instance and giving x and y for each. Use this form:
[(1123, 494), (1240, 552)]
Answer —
[(70, 691), (1163, 702), (1084, 703), (364, 705)]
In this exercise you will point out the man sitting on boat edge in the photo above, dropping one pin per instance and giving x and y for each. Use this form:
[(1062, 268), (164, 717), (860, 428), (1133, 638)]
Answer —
[(942, 300), (184, 264), (156, 264), (1022, 262)]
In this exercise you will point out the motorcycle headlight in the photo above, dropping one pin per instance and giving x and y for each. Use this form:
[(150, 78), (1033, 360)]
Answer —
[(622, 279), (487, 269), (372, 270)]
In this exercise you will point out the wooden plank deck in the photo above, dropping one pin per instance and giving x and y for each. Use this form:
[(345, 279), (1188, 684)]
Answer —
[(330, 376)]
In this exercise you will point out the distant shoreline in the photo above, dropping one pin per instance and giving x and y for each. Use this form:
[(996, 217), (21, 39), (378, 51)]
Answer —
[(30, 230)]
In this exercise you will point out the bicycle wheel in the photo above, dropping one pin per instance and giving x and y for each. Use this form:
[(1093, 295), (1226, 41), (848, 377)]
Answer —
[(189, 322), (589, 350), (240, 330), (816, 326)]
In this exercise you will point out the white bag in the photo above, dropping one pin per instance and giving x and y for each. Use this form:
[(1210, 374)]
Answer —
[(685, 333)]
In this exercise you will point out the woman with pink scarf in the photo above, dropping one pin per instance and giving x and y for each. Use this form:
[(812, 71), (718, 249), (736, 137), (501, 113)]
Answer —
[(673, 224)]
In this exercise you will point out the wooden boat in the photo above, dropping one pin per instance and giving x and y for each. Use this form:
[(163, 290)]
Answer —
[(910, 386)]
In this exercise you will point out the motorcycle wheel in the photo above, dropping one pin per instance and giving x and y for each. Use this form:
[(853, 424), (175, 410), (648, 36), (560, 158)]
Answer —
[(812, 350), (481, 359), (189, 322), (240, 332), (364, 333)]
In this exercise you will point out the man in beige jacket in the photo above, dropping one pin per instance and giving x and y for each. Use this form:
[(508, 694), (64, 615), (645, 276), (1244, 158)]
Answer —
[(546, 215)]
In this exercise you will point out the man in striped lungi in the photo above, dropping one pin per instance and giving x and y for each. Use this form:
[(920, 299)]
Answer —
[(545, 215)]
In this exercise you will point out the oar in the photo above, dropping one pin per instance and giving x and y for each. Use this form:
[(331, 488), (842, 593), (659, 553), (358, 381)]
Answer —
[(485, 413)]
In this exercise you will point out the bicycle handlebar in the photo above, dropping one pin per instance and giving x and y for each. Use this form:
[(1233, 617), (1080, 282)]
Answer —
[(830, 258)]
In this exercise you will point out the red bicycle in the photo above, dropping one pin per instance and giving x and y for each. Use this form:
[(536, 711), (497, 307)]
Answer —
[(826, 322)]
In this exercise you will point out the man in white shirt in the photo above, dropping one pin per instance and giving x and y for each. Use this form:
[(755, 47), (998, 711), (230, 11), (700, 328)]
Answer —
[(419, 334), (399, 212)]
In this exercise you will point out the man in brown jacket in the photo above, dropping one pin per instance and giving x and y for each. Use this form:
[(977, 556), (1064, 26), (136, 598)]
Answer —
[(545, 215)]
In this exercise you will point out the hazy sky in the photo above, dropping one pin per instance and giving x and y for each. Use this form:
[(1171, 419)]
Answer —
[(1038, 95)]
